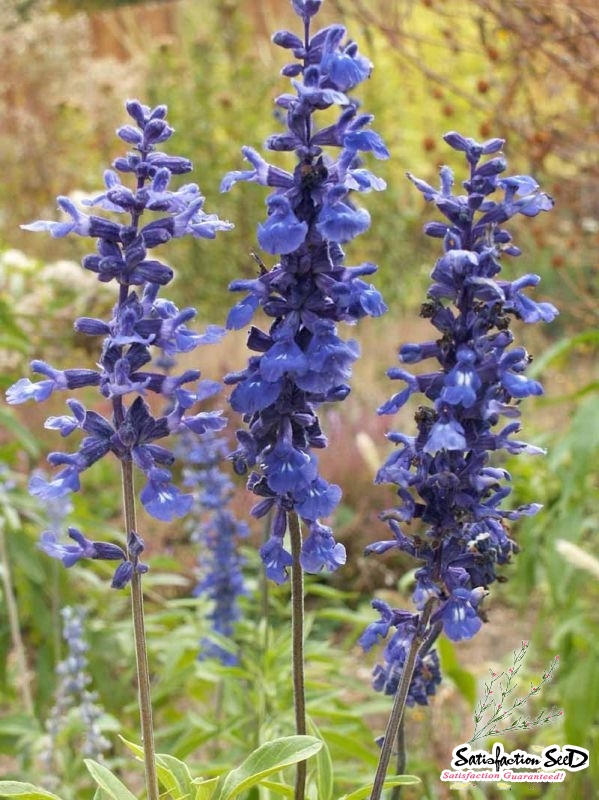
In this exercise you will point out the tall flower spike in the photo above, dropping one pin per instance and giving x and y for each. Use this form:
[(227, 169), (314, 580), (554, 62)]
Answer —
[(217, 534), (445, 475), (73, 697), (301, 361), (141, 320)]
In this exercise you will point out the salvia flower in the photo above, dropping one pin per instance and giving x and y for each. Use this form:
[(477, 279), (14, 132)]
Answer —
[(56, 510), (141, 320), (445, 475), (70, 554), (301, 362), (72, 698), (217, 533)]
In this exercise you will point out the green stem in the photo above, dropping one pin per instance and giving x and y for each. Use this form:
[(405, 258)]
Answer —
[(297, 632), (421, 640), (141, 653), (24, 676)]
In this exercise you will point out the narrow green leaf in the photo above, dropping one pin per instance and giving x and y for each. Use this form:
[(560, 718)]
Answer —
[(280, 789), (353, 748), (464, 680), (107, 781), (562, 349), (16, 725), (135, 748), (324, 766), (173, 774), (11, 424), (268, 758), (205, 789), (397, 780), (26, 791)]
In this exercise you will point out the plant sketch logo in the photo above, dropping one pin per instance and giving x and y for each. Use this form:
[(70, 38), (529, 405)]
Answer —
[(497, 700), (496, 714)]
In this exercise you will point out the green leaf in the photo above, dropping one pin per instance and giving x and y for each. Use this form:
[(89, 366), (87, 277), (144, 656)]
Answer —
[(398, 780), (324, 766), (280, 789), (12, 336), (173, 774), (105, 779), (26, 791), (268, 758), (450, 666), (136, 749), (562, 349), (205, 789), (11, 424), (17, 725), (353, 748)]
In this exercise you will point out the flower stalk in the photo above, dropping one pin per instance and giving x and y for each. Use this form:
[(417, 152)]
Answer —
[(445, 474), (297, 634), (141, 321), (301, 362), (139, 633), (421, 642)]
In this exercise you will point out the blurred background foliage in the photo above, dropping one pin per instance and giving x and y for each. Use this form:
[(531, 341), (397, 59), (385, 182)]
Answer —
[(526, 71)]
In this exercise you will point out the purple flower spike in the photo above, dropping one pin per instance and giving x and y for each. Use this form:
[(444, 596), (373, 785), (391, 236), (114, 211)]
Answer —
[(217, 533), (301, 362), (446, 475), (74, 700), (141, 321)]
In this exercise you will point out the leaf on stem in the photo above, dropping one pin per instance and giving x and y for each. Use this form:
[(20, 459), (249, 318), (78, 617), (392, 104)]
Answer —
[(107, 781), (397, 780), (25, 791), (268, 758), (173, 774), (324, 766)]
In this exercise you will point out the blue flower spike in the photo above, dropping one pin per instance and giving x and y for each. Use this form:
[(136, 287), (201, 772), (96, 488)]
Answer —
[(301, 362), (447, 476), (141, 321), (217, 532)]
